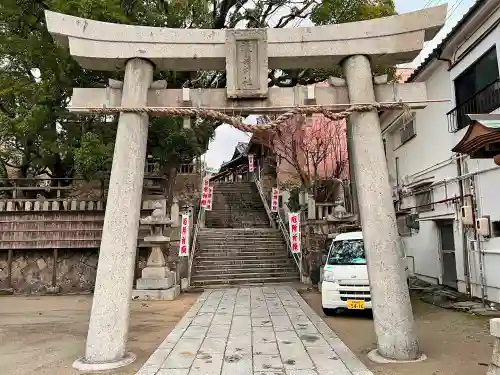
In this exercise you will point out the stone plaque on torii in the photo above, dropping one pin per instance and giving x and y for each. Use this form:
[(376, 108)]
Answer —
[(246, 55)]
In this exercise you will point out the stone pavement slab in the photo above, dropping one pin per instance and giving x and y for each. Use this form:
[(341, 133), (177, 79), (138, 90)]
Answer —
[(252, 331)]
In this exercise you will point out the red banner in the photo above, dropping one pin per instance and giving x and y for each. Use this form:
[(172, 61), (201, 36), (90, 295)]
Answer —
[(210, 198), (275, 196), (184, 240), (294, 225), (204, 192), (251, 167)]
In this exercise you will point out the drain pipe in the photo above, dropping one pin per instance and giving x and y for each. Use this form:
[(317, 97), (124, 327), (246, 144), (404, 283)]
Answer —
[(465, 242), (475, 213)]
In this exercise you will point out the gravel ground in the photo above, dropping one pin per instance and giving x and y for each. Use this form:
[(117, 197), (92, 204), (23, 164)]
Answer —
[(44, 335), (456, 343)]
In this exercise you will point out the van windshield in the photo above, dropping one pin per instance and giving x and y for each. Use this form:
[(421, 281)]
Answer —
[(347, 252)]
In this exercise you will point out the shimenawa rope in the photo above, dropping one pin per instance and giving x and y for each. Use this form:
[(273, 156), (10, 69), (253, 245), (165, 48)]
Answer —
[(238, 124)]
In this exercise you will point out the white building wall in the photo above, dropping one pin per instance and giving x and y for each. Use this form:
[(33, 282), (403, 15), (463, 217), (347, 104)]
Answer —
[(487, 180), (428, 157)]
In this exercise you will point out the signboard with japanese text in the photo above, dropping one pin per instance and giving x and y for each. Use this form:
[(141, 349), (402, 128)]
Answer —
[(275, 194), (210, 198), (184, 240), (251, 167), (294, 225), (204, 192)]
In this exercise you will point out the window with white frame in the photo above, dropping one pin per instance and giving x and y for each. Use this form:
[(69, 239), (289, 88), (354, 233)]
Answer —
[(407, 131), (423, 201)]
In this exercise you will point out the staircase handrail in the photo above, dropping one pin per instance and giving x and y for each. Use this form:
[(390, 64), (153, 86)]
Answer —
[(281, 225), (196, 229), (264, 201)]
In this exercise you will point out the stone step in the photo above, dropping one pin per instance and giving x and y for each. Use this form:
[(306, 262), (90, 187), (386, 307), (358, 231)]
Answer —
[(235, 225), (245, 280), (229, 276), (236, 250), (242, 230), (241, 240), (239, 235), (253, 263), (235, 254), (237, 210), (228, 258), (218, 273), (216, 261), (222, 246), (239, 216), (231, 247)]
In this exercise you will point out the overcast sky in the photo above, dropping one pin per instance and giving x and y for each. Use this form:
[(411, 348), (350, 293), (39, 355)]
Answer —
[(226, 137)]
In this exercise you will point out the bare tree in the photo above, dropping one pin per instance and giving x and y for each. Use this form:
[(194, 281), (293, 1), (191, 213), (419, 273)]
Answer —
[(311, 149)]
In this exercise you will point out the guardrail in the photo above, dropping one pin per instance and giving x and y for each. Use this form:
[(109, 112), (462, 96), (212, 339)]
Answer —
[(200, 221), (264, 201), (281, 226)]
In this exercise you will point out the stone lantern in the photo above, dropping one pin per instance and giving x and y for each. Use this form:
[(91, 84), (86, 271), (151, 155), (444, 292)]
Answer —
[(158, 282)]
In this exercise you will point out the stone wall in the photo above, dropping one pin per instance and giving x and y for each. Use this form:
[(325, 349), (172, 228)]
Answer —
[(32, 270)]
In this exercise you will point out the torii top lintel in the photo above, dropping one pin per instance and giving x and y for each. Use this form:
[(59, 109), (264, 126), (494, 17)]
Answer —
[(107, 46)]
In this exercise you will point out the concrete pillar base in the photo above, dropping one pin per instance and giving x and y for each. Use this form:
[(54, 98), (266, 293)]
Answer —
[(376, 357), (81, 364)]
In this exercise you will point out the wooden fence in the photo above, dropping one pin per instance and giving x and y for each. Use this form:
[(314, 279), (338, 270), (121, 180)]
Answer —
[(55, 224)]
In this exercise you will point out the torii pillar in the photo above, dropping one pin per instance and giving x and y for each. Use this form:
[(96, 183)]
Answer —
[(246, 55), (392, 312)]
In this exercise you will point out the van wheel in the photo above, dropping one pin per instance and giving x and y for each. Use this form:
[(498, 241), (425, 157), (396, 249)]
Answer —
[(330, 312)]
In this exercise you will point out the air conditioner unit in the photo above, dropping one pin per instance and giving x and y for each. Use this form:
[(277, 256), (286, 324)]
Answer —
[(412, 221)]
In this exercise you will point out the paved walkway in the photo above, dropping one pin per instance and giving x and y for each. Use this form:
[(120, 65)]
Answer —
[(252, 331)]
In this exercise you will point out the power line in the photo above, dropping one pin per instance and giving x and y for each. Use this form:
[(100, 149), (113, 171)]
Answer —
[(454, 8), (430, 3)]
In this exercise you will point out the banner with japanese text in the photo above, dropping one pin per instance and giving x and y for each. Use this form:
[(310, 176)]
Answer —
[(210, 198), (275, 194), (251, 167), (184, 240), (204, 192), (294, 225)]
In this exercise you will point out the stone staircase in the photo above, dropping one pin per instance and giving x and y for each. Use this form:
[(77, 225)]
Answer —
[(236, 205), (238, 246)]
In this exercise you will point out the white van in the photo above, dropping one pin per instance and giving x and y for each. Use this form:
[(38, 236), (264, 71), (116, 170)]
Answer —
[(345, 277)]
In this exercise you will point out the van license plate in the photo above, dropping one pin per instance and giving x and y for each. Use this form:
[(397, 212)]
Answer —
[(355, 305)]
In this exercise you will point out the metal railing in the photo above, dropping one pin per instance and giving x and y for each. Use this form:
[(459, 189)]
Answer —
[(484, 101), (281, 226), (199, 222), (264, 201)]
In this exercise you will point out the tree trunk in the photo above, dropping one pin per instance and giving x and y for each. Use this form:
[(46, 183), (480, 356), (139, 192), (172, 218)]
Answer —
[(168, 183)]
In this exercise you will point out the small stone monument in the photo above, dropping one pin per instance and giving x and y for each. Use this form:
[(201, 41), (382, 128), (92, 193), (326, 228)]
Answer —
[(157, 281)]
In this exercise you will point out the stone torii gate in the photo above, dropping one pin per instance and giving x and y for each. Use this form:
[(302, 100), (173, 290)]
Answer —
[(246, 55)]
